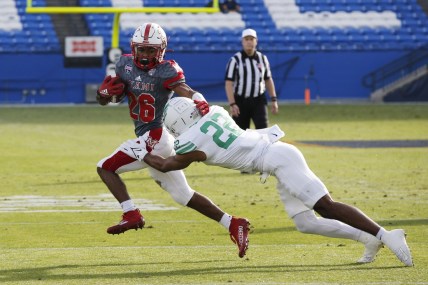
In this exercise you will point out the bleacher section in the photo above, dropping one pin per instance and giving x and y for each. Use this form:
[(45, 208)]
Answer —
[(282, 25), (10, 19), (328, 46), (26, 33)]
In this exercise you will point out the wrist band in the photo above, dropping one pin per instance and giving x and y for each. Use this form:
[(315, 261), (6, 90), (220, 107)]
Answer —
[(198, 96), (231, 104), (274, 99)]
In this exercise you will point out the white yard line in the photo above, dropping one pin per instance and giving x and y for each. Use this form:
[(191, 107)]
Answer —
[(51, 204), (156, 247)]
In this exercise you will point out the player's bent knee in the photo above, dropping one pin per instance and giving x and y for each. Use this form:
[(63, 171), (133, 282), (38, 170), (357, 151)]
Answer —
[(105, 174), (181, 194), (182, 197), (303, 228), (324, 207), (101, 170), (174, 182), (306, 222)]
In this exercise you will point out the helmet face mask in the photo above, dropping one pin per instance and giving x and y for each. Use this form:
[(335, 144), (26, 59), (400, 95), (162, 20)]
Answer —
[(179, 115), (148, 45), (145, 56)]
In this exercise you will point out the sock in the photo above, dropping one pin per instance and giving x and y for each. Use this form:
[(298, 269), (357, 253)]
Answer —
[(127, 206), (225, 221), (380, 233), (364, 237)]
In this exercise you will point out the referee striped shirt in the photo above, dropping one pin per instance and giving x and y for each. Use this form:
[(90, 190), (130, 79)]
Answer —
[(248, 73)]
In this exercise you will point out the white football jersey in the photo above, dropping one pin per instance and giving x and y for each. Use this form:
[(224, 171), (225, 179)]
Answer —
[(226, 145), (223, 142)]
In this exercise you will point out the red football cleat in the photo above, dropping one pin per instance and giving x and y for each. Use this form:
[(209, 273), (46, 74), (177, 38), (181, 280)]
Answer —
[(130, 220), (238, 230)]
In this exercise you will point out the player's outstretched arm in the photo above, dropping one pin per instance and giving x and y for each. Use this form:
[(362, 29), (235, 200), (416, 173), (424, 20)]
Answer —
[(176, 162)]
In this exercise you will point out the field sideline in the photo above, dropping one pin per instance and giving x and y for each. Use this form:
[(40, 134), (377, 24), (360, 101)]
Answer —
[(54, 209)]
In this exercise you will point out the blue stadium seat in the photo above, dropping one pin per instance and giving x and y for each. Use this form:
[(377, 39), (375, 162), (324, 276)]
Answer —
[(39, 31)]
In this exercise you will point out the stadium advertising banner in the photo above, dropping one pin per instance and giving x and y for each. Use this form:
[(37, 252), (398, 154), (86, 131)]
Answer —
[(83, 51)]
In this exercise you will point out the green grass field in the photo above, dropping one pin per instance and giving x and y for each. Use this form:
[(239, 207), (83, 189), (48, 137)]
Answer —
[(55, 210)]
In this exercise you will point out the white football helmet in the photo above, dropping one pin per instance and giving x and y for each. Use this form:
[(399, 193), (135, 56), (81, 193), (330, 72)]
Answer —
[(179, 115), (146, 36)]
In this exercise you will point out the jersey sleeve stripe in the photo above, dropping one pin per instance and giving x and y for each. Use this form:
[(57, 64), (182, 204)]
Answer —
[(187, 147)]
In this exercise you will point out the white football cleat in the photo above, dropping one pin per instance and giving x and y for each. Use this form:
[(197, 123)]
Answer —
[(395, 240), (373, 245)]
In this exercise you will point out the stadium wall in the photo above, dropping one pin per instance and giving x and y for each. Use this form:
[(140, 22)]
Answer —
[(42, 78)]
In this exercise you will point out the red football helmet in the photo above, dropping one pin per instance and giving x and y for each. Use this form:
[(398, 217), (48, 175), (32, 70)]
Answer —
[(148, 45)]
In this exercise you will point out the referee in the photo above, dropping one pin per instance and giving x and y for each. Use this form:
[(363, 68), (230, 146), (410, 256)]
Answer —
[(248, 75)]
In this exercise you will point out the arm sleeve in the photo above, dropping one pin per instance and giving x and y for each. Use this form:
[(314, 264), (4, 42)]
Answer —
[(173, 74)]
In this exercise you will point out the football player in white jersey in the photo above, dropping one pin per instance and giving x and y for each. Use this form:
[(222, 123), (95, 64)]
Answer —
[(215, 139), (148, 81)]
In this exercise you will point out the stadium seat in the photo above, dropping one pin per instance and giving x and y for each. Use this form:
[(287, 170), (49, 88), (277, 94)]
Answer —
[(335, 24)]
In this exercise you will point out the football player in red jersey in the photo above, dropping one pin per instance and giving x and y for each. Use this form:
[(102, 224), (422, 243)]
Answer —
[(148, 81)]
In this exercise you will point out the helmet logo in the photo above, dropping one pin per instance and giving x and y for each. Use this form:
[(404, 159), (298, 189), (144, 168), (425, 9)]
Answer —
[(151, 142)]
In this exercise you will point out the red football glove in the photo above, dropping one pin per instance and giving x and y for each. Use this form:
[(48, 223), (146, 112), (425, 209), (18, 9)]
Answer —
[(202, 107), (111, 86)]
